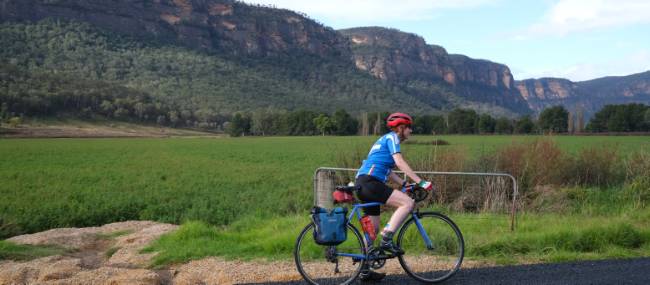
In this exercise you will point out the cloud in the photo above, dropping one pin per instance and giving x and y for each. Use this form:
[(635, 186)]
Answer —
[(371, 11), (571, 16), (626, 65)]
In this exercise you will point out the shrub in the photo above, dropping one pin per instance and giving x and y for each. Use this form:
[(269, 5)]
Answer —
[(15, 121), (638, 191), (537, 163), (637, 165), (598, 166)]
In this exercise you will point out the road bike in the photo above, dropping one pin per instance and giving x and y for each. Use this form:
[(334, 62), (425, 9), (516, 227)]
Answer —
[(432, 243)]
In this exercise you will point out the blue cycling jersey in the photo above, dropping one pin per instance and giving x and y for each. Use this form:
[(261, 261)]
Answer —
[(380, 158)]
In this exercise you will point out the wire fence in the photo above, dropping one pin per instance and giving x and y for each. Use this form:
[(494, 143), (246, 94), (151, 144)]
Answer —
[(462, 191)]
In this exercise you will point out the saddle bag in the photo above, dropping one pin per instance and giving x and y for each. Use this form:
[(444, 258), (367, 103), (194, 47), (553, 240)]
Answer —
[(330, 227)]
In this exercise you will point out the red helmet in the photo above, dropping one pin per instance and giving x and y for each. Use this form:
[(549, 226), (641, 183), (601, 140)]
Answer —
[(396, 119)]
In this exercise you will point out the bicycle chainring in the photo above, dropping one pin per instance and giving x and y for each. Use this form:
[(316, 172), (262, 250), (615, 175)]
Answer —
[(373, 258)]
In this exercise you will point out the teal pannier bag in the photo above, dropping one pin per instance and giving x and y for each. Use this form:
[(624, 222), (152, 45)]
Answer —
[(330, 228)]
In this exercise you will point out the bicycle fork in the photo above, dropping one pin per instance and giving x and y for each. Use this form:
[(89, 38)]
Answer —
[(423, 232)]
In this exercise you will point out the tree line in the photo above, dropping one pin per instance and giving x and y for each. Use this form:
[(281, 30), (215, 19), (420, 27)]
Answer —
[(621, 118), (556, 119)]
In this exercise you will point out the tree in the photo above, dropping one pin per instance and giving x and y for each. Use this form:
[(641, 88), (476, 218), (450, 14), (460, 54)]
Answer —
[(107, 107), (4, 111), (503, 126), (161, 120), (617, 122), (599, 122), (620, 118), (486, 124), (463, 121), (438, 125), (365, 125), (121, 113), (301, 123), (524, 125), (15, 121), (343, 123), (423, 124), (554, 119), (377, 122), (581, 121), (323, 124), (238, 126), (262, 123), (173, 118)]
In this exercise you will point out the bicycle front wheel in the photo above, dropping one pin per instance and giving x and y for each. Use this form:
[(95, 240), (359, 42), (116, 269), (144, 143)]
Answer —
[(320, 264), (433, 245)]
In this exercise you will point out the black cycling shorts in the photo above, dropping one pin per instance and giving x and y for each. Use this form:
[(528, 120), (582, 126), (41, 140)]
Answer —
[(373, 190)]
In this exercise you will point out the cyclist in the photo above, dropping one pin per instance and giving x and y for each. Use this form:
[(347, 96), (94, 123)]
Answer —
[(375, 171)]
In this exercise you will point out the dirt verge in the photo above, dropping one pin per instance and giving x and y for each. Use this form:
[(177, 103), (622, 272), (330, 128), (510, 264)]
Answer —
[(110, 254)]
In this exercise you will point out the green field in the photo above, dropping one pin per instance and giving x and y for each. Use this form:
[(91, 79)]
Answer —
[(230, 183)]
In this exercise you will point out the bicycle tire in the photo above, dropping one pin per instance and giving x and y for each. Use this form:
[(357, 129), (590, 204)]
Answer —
[(305, 245), (436, 264)]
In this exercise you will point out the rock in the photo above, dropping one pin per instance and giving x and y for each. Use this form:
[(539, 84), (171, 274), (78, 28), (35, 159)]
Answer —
[(130, 245), (46, 269), (586, 97), (401, 57), (208, 25), (86, 262)]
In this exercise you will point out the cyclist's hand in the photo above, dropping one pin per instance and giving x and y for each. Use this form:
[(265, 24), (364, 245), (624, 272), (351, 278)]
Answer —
[(408, 187), (426, 185)]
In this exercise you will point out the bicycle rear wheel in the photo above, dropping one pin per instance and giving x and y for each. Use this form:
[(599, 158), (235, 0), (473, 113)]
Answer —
[(440, 260), (320, 264)]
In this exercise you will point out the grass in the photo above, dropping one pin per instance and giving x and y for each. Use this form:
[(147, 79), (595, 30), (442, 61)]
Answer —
[(12, 251), (50, 183), (248, 198), (114, 234), (537, 238), (111, 251)]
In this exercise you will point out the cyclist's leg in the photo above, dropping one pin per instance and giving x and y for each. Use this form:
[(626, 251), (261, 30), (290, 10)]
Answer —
[(375, 223), (404, 205)]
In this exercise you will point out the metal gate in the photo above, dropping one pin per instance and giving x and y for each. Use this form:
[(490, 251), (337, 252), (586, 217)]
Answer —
[(327, 178)]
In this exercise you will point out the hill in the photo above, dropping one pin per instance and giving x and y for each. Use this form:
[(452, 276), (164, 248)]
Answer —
[(196, 62), (586, 97), (54, 67), (407, 60)]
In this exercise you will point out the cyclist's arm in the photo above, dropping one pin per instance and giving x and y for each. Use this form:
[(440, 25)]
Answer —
[(396, 178), (403, 166)]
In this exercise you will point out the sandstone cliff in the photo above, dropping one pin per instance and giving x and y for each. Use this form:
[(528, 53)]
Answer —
[(586, 96), (214, 25), (423, 73), (393, 55)]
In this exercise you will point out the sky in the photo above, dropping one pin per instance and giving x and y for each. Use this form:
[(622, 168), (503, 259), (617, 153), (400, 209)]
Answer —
[(574, 39)]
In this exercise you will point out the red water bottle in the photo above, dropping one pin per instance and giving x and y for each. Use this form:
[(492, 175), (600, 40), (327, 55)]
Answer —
[(368, 227)]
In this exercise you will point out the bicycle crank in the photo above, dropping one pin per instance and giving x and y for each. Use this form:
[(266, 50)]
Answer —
[(377, 258)]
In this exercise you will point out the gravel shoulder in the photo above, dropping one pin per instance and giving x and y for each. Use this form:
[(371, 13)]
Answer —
[(110, 254)]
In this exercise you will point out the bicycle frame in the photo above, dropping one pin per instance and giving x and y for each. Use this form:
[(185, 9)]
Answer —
[(356, 210)]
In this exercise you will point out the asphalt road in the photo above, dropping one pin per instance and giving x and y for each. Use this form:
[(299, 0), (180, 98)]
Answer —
[(627, 271)]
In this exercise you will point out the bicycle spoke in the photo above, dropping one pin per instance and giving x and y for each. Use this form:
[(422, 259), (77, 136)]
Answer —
[(442, 259), (323, 264)]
